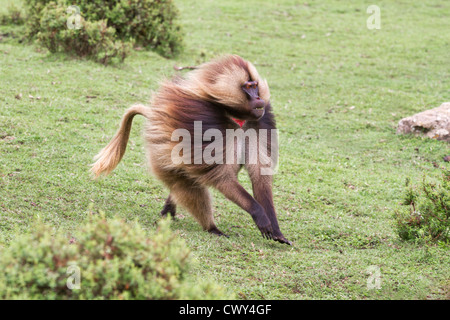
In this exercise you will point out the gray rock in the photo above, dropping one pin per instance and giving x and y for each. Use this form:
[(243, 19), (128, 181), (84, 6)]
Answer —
[(433, 123)]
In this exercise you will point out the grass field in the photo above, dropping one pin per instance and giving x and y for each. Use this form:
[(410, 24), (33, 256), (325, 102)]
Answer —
[(338, 91)]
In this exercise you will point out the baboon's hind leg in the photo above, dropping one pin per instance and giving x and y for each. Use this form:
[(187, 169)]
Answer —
[(169, 207), (197, 200)]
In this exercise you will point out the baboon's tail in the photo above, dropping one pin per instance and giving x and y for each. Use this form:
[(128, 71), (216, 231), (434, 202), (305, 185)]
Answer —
[(110, 156)]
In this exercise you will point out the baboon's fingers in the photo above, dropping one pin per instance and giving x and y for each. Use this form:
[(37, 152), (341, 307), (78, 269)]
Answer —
[(266, 232), (282, 239)]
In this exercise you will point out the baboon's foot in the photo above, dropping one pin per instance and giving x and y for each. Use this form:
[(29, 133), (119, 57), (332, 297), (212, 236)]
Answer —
[(217, 232), (169, 207)]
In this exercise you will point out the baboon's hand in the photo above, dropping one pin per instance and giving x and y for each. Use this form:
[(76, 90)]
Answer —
[(282, 239), (266, 229)]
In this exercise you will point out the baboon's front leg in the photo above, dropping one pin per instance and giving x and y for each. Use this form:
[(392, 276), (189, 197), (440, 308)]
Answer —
[(236, 193), (262, 191)]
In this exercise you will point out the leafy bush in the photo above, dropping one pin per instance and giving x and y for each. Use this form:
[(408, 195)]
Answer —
[(113, 259), (115, 24), (13, 15), (150, 23), (94, 39), (426, 212)]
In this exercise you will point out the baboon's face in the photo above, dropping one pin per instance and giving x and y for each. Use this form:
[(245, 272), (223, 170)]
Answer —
[(235, 83), (255, 104)]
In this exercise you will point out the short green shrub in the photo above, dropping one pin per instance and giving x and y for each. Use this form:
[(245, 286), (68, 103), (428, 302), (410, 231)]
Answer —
[(108, 26), (425, 215), (114, 260), (13, 15), (152, 24), (94, 39)]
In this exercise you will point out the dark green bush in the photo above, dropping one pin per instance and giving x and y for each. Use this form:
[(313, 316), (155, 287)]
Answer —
[(94, 39), (425, 215), (114, 260), (150, 23), (147, 23)]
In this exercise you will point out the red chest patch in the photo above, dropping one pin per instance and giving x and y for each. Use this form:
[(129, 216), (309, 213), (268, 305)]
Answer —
[(239, 122)]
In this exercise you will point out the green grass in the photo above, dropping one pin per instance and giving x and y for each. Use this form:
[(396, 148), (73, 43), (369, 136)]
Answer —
[(338, 91)]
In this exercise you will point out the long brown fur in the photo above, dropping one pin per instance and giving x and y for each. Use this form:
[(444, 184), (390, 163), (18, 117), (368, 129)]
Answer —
[(212, 93)]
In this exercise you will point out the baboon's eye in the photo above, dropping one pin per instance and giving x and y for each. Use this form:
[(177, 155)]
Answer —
[(251, 84)]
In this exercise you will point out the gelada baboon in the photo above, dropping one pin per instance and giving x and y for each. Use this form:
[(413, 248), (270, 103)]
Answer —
[(216, 98)]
